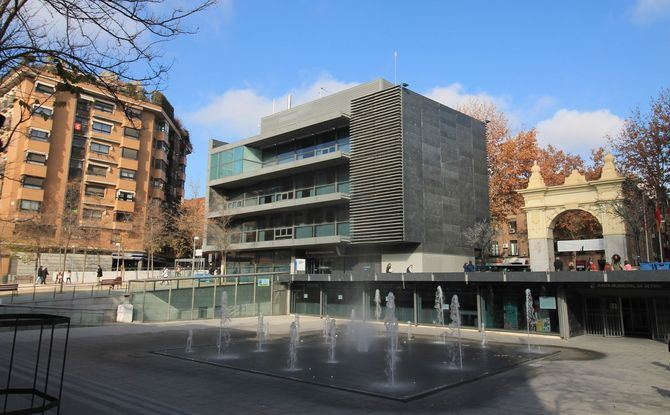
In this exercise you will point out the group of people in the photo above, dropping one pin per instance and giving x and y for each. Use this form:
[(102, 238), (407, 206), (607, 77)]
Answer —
[(43, 275), (601, 265)]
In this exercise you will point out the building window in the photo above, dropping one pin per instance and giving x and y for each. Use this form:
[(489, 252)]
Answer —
[(97, 191), (92, 214), (162, 145), (162, 126), (127, 174), (38, 135), (513, 248), (32, 182), (131, 132), (160, 164), (133, 113), (104, 106), (123, 195), (157, 183), (36, 158), (30, 205), (511, 226), (96, 170), (495, 248), (44, 89), (101, 127), (45, 112), (129, 153), (100, 148), (123, 216)]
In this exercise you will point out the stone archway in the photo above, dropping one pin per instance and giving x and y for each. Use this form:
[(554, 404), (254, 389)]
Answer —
[(543, 204)]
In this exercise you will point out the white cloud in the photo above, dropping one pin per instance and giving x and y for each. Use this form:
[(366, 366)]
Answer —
[(454, 95), (576, 131), (647, 11), (237, 112)]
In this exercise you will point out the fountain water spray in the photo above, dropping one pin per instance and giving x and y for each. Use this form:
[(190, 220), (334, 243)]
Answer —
[(293, 347), (439, 306), (332, 340), (409, 330), (260, 333), (352, 322), (483, 334), (455, 315), (530, 314), (223, 341), (326, 326), (297, 326), (189, 342), (391, 323), (378, 305)]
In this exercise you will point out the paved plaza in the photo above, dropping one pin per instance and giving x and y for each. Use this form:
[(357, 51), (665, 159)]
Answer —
[(111, 370)]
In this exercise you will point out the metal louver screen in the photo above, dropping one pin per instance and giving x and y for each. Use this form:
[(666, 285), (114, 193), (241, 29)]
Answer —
[(376, 168)]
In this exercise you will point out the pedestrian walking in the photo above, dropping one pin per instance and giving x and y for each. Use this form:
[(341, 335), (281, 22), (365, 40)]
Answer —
[(627, 266), (616, 263), (558, 264), (68, 277), (165, 275), (98, 273), (45, 275), (40, 275)]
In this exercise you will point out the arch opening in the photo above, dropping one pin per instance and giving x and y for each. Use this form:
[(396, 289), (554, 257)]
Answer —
[(578, 241)]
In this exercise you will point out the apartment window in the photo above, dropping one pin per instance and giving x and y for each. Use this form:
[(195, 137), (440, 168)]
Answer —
[(513, 248), (29, 205), (36, 158), (45, 112), (101, 127), (123, 216), (38, 135), (131, 132), (92, 214), (32, 182), (44, 89), (495, 248), (129, 153), (104, 106), (127, 174), (78, 141), (160, 164), (162, 126), (123, 195), (100, 148), (97, 191), (511, 226), (162, 145), (95, 170), (133, 113), (157, 183)]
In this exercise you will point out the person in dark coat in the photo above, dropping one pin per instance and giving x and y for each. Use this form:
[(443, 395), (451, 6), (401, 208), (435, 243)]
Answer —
[(40, 275), (45, 275), (558, 264), (98, 273)]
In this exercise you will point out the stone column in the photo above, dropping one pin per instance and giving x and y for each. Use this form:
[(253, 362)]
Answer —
[(541, 254)]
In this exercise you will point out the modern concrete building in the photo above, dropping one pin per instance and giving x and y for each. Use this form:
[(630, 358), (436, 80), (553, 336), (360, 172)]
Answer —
[(84, 160), (366, 179)]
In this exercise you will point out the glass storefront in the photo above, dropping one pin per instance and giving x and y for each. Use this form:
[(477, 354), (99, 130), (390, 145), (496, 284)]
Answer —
[(467, 299), (504, 307)]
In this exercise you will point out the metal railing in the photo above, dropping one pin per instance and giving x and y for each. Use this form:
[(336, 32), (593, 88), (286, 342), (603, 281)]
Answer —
[(291, 232), (52, 292), (299, 193)]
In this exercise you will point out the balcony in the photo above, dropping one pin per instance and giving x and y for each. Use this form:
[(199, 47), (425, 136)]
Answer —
[(308, 197), (38, 170), (123, 226), (124, 205), (298, 162), (291, 236), (158, 192)]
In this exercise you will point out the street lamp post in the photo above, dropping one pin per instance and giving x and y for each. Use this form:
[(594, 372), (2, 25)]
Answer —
[(118, 257), (195, 239)]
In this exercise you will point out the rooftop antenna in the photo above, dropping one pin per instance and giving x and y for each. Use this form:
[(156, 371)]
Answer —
[(321, 91), (395, 67), (288, 102)]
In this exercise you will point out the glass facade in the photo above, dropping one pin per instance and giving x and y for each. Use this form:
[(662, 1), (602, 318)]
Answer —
[(504, 307), (235, 161)]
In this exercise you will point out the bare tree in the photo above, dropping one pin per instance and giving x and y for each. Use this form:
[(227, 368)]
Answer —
[(114, 45), (479, 236), (219, 237), (153, 230), (188, 221), (634, 209)]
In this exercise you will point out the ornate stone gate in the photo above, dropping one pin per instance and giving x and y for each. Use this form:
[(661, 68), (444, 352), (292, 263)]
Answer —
[(543, 204)]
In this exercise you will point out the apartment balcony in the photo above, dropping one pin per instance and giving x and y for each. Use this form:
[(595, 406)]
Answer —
[(130, 142), (291, 236), (123, 226), (182, 160), (30, 194), (97, 201), (157, 192), (297, 163), (161, 154), (37, 170), (303, 198), (159, 174), (124, 205), (104, 180)]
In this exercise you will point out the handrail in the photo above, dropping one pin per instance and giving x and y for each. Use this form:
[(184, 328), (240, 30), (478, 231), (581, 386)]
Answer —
[(254, 201)]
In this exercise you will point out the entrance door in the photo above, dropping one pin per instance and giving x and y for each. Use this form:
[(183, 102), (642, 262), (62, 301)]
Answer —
[(636, 316), (603, 316)]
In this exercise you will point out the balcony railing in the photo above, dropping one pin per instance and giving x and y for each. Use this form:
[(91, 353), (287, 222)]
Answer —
[(291, 232), (306, 153), (300, 193)]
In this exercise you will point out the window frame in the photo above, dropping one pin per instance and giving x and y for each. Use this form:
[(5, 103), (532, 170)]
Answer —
[(101, 131), (28, 153), (87, 193), (34, 186), (39, 110), (88, 169), (123, 153), (109, 148), (104, 105), (126, 129), (86, 214), (127, 177), (37, 202), (50, 89), (126, 192), (39, 130)]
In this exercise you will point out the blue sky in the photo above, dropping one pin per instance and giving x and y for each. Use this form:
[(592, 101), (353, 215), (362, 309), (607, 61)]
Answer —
[(572, 69)]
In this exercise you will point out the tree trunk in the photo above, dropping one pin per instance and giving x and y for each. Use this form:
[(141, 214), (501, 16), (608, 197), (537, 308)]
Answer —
[(83, 271)]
